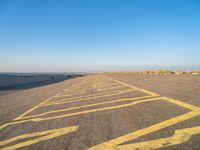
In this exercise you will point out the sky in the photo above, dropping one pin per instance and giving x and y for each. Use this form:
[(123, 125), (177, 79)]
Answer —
[(99, 35)]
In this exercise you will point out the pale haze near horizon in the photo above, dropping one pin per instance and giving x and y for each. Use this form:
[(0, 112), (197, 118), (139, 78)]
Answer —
[(92, 36)]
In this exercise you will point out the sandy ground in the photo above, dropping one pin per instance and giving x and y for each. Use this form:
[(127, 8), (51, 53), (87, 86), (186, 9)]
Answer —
[(104, 112)]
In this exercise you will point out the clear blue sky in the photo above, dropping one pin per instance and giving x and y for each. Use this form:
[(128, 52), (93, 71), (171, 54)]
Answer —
[(99, 35)]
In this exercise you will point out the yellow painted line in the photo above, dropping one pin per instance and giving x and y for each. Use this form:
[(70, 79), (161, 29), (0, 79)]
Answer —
[(80, 99), (84, 112), (179, 137), (39, 137), (82, 96), (84, 91), (113, 144), (142, 90), (86, 106), (76, 91), (70, 94), (110, 88), (27, 112), (177, 102), (91, 95), (19, 117), (90, 87), (183, 104), (4, 125), (66, 89), (30, 110)]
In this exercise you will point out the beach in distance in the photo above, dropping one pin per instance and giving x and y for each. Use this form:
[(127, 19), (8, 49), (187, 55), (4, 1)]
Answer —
[(15, 81), (107, 106), (100, 75)]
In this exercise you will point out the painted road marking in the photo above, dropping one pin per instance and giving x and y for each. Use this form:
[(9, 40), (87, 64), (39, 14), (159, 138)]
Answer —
[(89, 88), (58, 102), (30, 110), (180, 135), (131, 86), (42, 104), (94, 104), (110, 88), (38, 137), (71, 94), (65, 95), (113, 144), (83, 91), (176, 139), (84, 112)]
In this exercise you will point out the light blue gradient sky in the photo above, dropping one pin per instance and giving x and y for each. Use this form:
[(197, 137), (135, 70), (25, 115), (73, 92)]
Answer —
[(99, 35)]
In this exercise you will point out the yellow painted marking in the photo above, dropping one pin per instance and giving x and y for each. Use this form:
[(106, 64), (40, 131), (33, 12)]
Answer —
[(80, 99), (39, 137), (86, 111), (19, 117), (177, 102), (182, 104), (179, 137), (113, 144), (89, 105), (33, 108), (88, 88), (70, 94), (4, 125), (111, 88), (66, 89), (74, 91), (142, 90), (63, 95), (84, 91)]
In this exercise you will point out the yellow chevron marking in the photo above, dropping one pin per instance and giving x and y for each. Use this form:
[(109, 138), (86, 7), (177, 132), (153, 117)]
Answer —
[(180, 135), (83, 112), (85, 98), (89, 105)]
